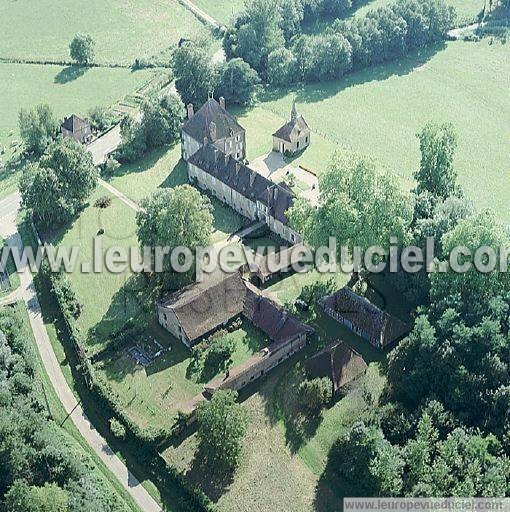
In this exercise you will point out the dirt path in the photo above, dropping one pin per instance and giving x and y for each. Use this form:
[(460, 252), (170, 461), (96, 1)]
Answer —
[(117, 193), (9, 231), (206, 18)]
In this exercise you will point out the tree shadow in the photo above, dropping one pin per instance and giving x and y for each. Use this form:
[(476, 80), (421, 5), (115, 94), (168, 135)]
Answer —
[(70, 73), (331, 489), (208, 477)]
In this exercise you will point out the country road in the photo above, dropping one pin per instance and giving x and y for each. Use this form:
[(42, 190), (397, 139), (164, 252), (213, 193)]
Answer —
[(8, 230)]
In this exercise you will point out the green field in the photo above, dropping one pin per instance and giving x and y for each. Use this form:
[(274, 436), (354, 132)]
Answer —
[(67, 92), (278, 472), (123, 29), (221, 10), (378, 112)]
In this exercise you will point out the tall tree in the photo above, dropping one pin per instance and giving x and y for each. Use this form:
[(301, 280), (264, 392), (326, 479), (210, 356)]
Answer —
[(57, 187), (237, 82), (222, 425), (195, 78), (81, 48), (38, 127), (437, 174), (175, 217)]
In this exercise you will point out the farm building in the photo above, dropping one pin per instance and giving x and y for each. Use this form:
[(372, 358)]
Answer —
[(293, 136), (269, 266), (76, 128), (339, 363), (200, 308), (246, 191), (212, 124), (364, 318), (287, 335)]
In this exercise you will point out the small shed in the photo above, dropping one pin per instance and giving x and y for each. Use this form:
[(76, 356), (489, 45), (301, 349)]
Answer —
[(293, 136)]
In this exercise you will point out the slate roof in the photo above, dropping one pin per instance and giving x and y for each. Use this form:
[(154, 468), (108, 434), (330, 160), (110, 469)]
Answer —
[(202, 307), (338, 362), (75, 124), (198, 126), (378, 324), (277, 323), (291, 130), (246, 181)]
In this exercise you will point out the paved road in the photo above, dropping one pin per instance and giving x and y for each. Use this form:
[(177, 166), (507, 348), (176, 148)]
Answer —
[(104, 145), (8, 229)]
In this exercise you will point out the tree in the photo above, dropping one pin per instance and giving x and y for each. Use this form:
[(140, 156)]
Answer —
[(48, 498), (160, 124), (359, 205), (38, 127), (469, 292), (331, 57), (117, 428), (194, 74), (102, 118), (221, 427), (437, 174), (81, 48), (316, 393), (237, 82), (256, 33), (291, 12), (57, 187), (282, 67), (175, 217), (218, 356)]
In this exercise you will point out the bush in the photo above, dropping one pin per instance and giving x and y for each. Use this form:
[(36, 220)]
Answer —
[(103, 202), (315, 394), (102, 118), (110, 167), (117, 428)]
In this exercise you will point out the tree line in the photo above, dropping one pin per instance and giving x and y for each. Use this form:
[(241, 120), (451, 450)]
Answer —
[(261, 36), (41, 470)]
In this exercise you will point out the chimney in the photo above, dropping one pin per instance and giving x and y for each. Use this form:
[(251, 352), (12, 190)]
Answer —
[(238, 167), (275, 193), (226, 159), (206, 141), (216, 153), (252, 178), (222, 102), (212, 130), (191, 110)]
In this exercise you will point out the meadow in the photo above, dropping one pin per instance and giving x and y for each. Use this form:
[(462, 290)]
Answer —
[(378, 112), (123, 29), (67, 90), (222, 10)]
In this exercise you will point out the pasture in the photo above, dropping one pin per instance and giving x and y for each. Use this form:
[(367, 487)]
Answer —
[(123, 29), (378, 112), (66, 89), (222, 10)]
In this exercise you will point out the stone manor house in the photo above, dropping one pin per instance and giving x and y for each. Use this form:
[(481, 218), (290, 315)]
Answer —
[(214, 147)]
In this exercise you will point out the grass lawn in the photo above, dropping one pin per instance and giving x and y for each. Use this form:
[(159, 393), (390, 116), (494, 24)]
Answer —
[(152, 395), (275, 473), (220, 10), (122, 29), (109, 299), (25, 86), (379, 111)]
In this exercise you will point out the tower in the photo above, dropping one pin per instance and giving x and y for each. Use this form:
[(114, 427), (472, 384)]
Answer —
[(293, 112)]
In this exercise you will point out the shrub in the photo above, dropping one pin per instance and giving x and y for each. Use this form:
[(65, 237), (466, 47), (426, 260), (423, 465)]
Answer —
[(315, 394), (103, 202), (117, 428)]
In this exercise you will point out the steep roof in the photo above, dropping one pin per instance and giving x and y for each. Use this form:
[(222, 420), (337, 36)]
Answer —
[(202, 307), (338, 362), (380, 325), (274, 262), (244, 180), (75, 124), (293, 129), (199, 125), (277, 323)]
